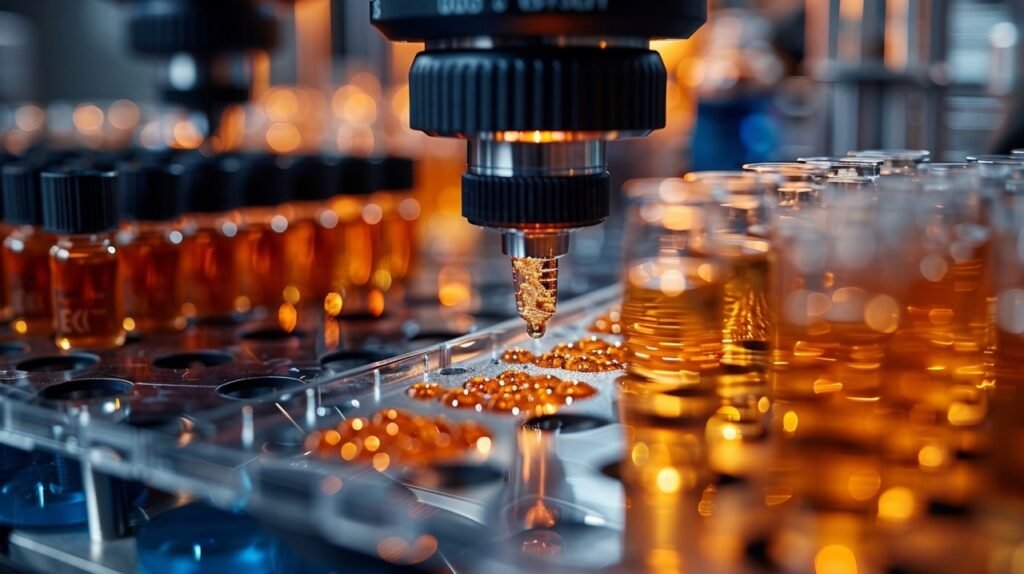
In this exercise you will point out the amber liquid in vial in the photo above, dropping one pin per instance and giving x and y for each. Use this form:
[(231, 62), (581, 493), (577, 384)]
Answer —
[(399, 229), (313, 239), (151, 270), (672, 320), (87, 302), (267, 266), (358, 273), (26, 262), (214, 253)]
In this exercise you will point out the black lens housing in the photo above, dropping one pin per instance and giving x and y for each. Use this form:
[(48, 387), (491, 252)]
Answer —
[(533, 84), (426, 20)]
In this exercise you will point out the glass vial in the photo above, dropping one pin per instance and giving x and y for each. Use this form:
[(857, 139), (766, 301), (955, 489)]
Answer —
[(313, 234), (26, 252), (395, 180), (213, 242), (262, 184), (360, 238), (150, 242), (80, 208)]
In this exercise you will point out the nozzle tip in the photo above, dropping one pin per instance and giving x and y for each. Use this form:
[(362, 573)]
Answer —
[(536, 282)]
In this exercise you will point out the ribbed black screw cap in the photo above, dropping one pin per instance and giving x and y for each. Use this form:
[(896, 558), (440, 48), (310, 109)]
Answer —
[(262, 180), (312, 178), (564, 202), (462, 92), (206, 185), (150, 191), (394, 173), (78, 202), (355, 176), (22, 202)]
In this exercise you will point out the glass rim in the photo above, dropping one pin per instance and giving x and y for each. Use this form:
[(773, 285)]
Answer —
[(921, 155), (788, 169), (996, 159)]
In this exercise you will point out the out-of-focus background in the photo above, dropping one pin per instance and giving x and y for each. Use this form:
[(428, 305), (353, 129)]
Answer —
[(763, 80)]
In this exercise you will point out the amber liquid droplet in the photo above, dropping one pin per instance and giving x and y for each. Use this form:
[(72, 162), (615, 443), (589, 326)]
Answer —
[(536, 284)]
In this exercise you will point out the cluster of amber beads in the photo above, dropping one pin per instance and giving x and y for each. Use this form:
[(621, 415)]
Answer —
[(511, 392), (590, 355), (398, 437), (609, 323)]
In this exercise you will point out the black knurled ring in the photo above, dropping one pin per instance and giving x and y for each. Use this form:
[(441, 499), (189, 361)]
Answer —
[(516, 201), (464, 92)]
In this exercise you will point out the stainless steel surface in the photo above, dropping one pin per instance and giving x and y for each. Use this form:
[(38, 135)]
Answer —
[(547, 245), (529, 159)]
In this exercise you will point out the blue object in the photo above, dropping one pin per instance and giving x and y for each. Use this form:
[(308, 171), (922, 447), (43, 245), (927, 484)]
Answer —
[(198, 539), (735, 131), (45, 494)]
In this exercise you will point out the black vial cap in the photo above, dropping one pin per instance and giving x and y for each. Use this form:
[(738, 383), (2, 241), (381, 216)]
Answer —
[(262, 180), (206, 185), (394, 173), (312, 178), (78, 202), (150, 191), (22, 204), (355, 176)]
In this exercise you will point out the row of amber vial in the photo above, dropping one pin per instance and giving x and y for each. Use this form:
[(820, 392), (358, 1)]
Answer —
[(89, 256)]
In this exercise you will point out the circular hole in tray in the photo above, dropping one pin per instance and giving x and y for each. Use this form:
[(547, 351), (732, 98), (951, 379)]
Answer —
[(58, 363), (565, 423), (255, 388), (191, 360), (271, 335), (339, 361), (87, 390), (451, 476), (450, 371), (12, 350)]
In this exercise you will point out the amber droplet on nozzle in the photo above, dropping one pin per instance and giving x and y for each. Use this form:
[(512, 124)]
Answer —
[(536, 283)]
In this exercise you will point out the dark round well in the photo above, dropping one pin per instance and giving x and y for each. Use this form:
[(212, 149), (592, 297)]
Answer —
[(340, 361), (182, 361), (87, 390), (565, 423), (58, 363), (452, 476), (256, 388), (271, 335)]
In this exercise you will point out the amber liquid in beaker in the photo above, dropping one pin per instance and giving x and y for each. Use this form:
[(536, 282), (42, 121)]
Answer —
[(26, 261), (87, 295), (746, 315), (672, 320), (151, 269)]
